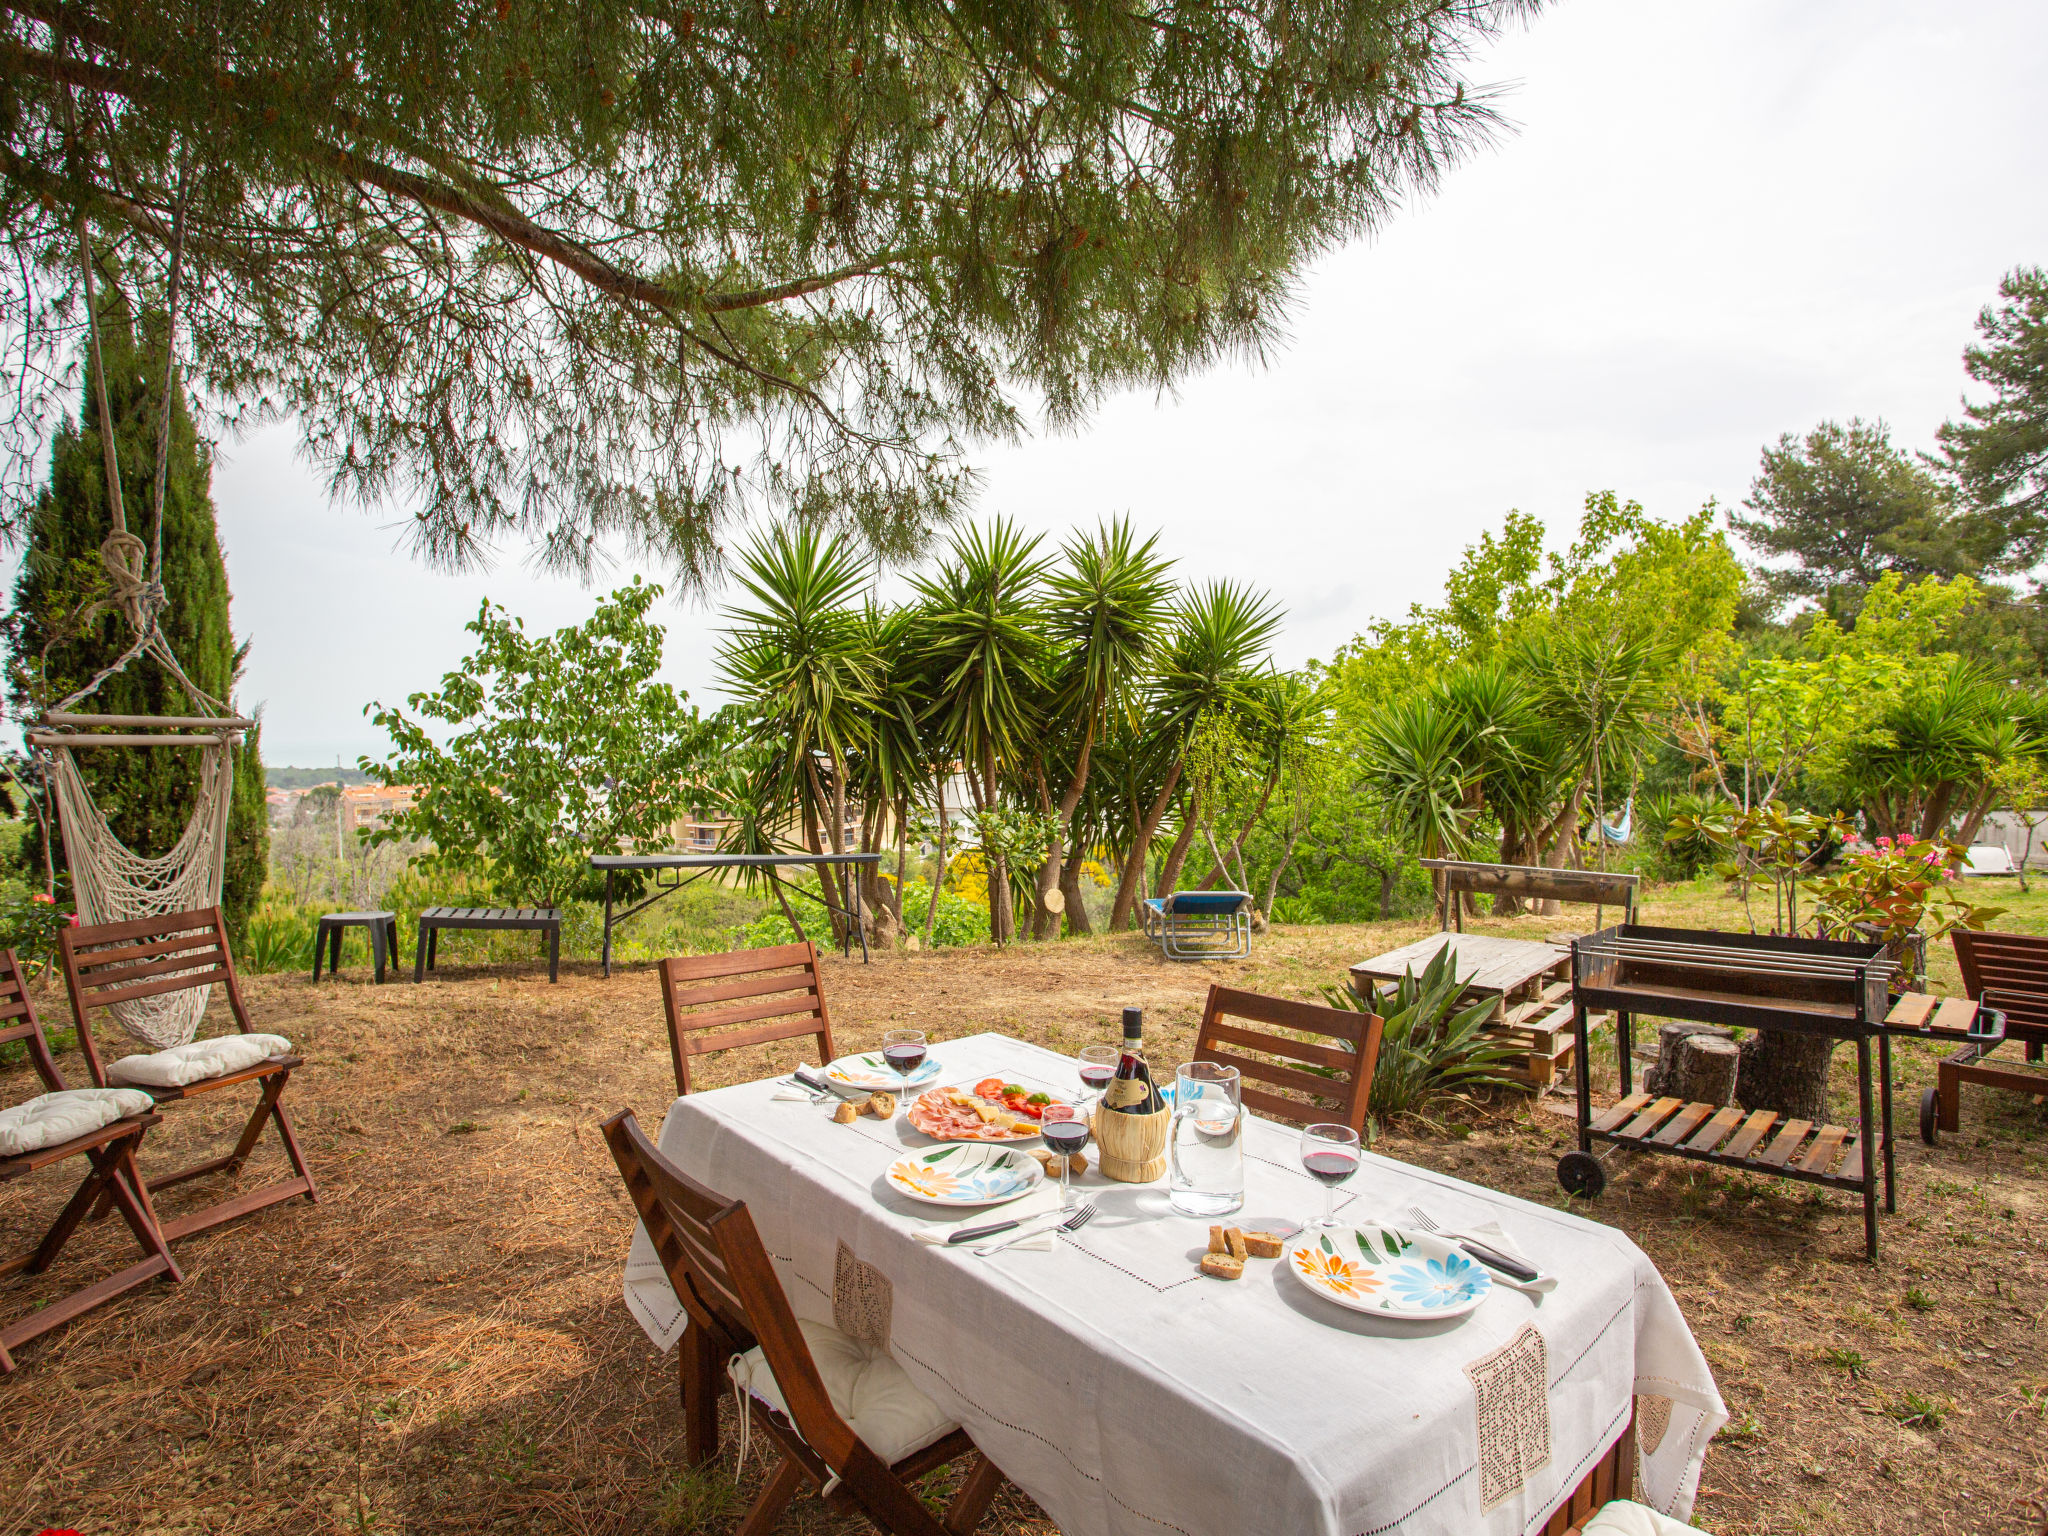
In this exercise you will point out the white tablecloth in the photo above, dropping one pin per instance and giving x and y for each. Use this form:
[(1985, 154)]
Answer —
[(1126, 1393)]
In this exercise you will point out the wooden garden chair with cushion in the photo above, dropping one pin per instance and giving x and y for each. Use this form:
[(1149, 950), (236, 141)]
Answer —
[(1349, 1059), (113, 963), (2007, 972), (102, 1125), (844, 1415), (747, 997)]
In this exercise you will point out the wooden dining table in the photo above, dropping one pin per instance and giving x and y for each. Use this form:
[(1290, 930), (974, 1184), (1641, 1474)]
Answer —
[(1128, 1393)]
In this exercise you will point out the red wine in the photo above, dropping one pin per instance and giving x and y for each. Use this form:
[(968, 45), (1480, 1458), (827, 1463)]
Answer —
[(906, 1059), (1065, 1136), (1097, 1078), (1331, 1167), (1133, 1092)]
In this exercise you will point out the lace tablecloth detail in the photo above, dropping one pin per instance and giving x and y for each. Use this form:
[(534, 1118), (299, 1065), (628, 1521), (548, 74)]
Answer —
[(862, 1300), (1511, 1390), (1653, 1417)]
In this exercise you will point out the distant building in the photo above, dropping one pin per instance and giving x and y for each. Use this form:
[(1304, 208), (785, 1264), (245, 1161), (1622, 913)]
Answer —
[(365, 806)]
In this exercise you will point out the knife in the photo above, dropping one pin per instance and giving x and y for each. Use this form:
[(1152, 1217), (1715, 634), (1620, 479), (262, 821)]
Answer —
[(990, 1229), (1493, 1258), (815, 1084)]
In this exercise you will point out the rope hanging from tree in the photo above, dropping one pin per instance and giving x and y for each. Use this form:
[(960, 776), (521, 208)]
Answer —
[(112, 882)]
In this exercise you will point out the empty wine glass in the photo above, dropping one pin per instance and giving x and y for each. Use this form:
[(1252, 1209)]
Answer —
[(1329, 1154), (1066, 1133), (1098, 1068), (904, 1050)]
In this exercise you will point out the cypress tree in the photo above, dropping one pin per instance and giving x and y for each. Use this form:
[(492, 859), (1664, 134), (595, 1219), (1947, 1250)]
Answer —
[(56, 646)]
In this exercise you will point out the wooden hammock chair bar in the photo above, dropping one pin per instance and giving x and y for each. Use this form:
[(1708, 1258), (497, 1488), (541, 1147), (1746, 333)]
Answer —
[(46, 739), (56, 720)]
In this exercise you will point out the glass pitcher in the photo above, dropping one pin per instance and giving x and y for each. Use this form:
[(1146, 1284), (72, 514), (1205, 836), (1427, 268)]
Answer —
[(1207, 1149)]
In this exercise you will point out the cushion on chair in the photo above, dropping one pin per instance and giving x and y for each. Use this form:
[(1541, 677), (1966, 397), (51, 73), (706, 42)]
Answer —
[(869, 1389), (1623, 1517), (51, 1118), (194, 1063)]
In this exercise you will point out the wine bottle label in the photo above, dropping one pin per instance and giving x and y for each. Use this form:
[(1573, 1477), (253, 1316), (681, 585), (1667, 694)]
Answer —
[(1128, 1093)]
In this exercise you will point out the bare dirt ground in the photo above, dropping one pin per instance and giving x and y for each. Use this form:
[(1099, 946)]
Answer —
[(439, 1344)]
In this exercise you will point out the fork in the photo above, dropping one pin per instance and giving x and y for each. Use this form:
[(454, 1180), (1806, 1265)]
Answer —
[(1493, 1258), (1073, 1223)]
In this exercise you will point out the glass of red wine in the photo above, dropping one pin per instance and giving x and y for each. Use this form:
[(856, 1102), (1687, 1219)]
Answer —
[(1098, 1068), (1329, 1154), (904, 1050), (1065, 1133)]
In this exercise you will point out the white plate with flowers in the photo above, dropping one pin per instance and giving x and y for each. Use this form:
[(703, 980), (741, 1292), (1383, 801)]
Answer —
[(1389, 1272), (966, 1173)]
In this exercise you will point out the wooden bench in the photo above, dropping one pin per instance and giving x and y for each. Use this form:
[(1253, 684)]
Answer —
[(547, 920), (1534, 882)]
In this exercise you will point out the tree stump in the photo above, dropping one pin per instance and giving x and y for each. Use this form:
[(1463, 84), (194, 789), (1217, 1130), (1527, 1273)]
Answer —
[(1786, 1072), (1703, 1070), (1672, 1052)]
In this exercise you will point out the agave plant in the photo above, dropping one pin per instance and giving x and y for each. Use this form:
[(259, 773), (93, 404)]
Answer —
[(1429, 1046)]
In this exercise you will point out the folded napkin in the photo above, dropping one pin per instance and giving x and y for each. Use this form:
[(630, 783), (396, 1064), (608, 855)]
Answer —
[(1492, 1236), (792, 1086), (1039, 1207)]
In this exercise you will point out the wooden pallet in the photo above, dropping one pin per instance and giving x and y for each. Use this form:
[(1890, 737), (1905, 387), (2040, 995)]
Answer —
[(1758, 1140), (1540, 1032)]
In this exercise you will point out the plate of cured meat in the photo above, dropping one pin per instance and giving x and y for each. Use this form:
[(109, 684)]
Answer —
[(993, 1109)]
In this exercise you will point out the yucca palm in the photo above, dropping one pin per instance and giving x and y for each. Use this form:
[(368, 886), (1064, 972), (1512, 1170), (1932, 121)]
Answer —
[(981, 619), (1414, 761), (1940, 745), (1220, 635)]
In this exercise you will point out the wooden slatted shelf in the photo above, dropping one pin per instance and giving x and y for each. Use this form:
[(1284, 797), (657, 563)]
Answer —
[(1761, 1142)]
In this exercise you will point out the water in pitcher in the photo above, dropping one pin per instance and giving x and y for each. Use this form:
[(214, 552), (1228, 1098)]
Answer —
[(1207, 1151)]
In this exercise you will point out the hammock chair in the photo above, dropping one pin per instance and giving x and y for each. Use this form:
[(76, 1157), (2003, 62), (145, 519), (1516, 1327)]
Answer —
[(111, 881), (1622, 828)]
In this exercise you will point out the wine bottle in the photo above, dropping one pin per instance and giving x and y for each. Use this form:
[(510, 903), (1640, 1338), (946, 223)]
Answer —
[(1133, 1092)]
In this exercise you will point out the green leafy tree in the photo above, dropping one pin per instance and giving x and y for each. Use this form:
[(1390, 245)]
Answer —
[(491, 256), (1998, 452), (1845, 506), (558, 748), (58, 635)]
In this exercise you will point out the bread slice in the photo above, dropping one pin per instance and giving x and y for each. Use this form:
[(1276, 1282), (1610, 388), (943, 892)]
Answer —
[(1223, 1266), (847, 1112), (1235, 1238), (882, 1105), (1264, 1245), (1218, 1243)]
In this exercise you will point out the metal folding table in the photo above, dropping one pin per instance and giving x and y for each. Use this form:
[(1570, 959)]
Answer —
[(672, 871)]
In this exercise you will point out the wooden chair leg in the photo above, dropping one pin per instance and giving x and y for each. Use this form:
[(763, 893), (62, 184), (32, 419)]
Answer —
[(272, 1087), (291, 1146), (774, 1499), (96, 1188), (700, 1370), (131, 1193), (974, 1497)]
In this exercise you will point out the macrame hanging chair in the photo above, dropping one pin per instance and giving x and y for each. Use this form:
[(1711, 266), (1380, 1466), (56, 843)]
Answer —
[(111, 881)]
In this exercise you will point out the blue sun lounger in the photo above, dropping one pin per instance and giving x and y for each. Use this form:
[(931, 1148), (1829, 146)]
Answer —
[(1201, 925)]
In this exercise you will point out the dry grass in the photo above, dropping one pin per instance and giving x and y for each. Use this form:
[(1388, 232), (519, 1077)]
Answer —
[(439, 1344)]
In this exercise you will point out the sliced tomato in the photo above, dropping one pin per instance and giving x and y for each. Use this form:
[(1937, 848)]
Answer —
[(1029, 1110), (989, 1088)]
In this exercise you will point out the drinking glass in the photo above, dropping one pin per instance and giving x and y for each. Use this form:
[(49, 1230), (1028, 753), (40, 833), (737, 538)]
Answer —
[(1065, 1133), (1098, 1068), (1207, 1143), (1329, 1154), (904, 1050)]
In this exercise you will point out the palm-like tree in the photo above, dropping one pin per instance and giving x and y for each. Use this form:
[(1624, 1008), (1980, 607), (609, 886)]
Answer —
[(981, 629)]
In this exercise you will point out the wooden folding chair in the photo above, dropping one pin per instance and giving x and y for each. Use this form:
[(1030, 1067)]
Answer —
[(1348, 1088), (111, 963), (111, 1151), (726, 1282), (784, 978)]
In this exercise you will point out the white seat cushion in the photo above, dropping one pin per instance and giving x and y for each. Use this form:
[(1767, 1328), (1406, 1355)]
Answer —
[(868, 1388), (1626, 1518), (194, 1063), (51, 1118)]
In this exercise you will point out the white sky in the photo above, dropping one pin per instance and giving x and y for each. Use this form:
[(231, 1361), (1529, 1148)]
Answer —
[(1710, 225)]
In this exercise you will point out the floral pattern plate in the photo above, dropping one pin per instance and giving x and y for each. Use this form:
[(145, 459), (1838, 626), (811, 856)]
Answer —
[(857, 1076), (966, 1174), (1389, 1272)]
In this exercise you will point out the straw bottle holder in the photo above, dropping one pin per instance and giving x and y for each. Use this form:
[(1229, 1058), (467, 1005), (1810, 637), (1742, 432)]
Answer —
[(1132, 1148)]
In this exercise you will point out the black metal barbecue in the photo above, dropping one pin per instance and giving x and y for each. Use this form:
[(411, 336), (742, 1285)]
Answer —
[(1748, 981)]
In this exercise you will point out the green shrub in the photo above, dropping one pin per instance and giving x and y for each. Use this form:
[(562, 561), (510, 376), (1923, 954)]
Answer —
[(960, 921), (1428, 1047), (280, 938), (29, 924)]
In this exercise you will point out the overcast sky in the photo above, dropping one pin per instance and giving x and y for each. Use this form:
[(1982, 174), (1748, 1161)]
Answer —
[(1710, 224)]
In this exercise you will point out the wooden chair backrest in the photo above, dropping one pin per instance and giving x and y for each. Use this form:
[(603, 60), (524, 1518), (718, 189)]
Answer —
[(726, 1282), (1535, 882), (110, 963), (18, 1021), (2015, 966), (768, 994), (1351, 1088)]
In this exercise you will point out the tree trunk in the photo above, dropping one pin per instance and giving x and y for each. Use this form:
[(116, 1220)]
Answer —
[(1786, 1072), (1141, 852), (931, 911), (1177, 855), (1387, 879), (1696, 1063), (1078, 921)]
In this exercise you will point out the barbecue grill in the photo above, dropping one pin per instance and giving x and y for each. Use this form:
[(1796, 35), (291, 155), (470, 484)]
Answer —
[(1749, 981)]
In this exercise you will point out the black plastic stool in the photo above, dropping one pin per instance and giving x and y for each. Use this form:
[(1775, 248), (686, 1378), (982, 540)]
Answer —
[(383, 929)]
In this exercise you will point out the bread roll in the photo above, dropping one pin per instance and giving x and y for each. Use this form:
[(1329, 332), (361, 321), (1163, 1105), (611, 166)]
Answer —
[(847, 1112), (1222, 1266), (1264, 1245)]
